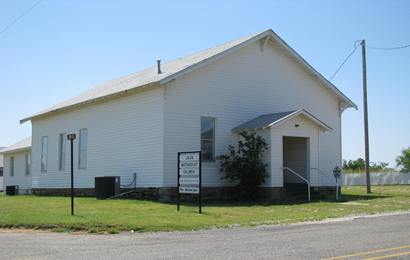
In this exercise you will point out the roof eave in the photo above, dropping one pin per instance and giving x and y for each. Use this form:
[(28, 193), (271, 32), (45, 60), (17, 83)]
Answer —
[(239, 129), (296, 113), (305, 113), (88, 102), (15, 150)]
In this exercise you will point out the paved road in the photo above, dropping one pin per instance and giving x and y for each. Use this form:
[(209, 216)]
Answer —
[(386, 235)]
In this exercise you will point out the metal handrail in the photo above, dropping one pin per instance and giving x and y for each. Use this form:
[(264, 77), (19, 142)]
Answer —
[(301, 177)]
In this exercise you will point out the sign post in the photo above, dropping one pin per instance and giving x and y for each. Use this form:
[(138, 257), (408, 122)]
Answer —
[(71, 137), (189, 177), (337, 172)]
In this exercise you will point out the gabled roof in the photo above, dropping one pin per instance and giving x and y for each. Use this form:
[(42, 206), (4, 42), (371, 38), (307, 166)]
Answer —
[(272, 120), (173, 69), (22, 145)]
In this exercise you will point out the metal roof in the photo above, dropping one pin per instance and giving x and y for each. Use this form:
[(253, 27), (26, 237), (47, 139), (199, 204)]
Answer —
[(271, 120), (173, 69), (24, 144)]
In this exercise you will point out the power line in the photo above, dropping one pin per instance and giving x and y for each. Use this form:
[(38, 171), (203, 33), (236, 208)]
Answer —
[(388, 49), (347, 58), (19, 17), (367, 46)]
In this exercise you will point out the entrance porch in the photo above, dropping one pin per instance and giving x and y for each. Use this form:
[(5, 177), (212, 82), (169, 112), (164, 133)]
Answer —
[(293, 157)]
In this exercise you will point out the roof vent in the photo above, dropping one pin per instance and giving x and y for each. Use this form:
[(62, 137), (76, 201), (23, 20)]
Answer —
[(159, 65)]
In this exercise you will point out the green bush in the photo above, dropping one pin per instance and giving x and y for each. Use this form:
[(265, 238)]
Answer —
[(244, 166), (403, 160)]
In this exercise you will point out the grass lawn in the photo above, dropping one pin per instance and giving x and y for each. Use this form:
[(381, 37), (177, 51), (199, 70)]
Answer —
[(120, 215)]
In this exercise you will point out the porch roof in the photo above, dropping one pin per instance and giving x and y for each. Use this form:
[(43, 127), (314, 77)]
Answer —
[(272, 120)]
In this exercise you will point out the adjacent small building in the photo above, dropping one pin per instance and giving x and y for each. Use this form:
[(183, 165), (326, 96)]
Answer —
[(17, 166), (138, 123)]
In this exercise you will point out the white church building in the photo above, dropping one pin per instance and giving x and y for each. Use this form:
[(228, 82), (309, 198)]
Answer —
[(138, 123)]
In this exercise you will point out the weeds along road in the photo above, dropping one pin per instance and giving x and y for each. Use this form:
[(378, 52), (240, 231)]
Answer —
[(383, 237)]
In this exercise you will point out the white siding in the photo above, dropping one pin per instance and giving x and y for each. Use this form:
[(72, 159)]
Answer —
[(19, 178), (125, 135), (235, 89)]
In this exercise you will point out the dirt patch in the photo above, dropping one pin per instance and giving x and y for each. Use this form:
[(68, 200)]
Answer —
[(355, 203), (35, 231)]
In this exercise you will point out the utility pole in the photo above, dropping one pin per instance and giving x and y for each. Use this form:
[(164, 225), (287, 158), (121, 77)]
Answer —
[(366, 119)]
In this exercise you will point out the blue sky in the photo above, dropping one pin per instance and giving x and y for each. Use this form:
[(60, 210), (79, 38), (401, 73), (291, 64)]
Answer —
[(62, 48)]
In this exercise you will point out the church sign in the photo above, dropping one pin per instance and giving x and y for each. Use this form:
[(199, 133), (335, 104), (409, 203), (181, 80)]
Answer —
[(189, 175)]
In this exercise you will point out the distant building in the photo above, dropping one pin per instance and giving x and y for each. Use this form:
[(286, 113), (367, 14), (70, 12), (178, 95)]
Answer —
[(17, 166), (139, 122)]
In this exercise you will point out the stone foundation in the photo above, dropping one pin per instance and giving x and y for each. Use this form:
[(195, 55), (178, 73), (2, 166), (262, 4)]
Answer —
[(221, 194), (326, 190), (139, 193), (83, 192), (170, 194)]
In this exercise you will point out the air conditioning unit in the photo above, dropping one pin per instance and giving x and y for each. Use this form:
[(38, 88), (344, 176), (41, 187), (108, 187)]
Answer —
[(107, 186), (11, 190)]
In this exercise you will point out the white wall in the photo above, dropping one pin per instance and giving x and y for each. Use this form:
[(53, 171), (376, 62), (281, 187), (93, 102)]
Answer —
[(377, 178), (20, 178), (125, 135), (238, 88)]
